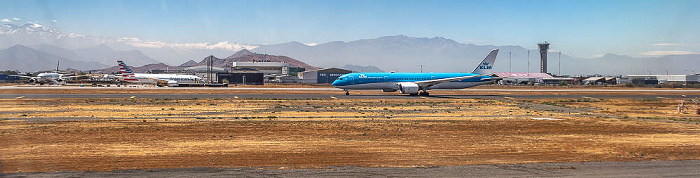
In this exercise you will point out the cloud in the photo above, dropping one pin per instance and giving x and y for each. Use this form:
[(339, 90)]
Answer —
[(311, 44), (224, 45), (54, 21), (671, 44), (16, 18), (664, 53), (5, 20)]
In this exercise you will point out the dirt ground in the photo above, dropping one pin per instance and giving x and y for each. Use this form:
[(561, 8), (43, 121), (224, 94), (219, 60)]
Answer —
[(43, 135)]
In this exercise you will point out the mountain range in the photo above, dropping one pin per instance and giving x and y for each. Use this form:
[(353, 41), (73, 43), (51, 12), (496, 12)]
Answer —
[(27, 59), (390, 53), (407, 54), (33, 34), (368, 69)]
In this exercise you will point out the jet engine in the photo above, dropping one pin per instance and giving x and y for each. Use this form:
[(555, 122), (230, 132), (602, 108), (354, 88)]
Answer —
[(172, 83), (408, 88)]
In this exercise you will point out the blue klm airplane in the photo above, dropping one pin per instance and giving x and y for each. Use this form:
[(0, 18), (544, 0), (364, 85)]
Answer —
[(414, 83)]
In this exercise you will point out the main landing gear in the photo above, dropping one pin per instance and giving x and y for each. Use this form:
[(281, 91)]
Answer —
[(424, 93)]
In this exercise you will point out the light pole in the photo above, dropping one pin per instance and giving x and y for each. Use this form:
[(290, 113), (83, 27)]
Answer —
[(528, 61)]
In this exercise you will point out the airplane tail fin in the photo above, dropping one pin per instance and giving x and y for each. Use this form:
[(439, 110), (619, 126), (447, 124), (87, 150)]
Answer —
[(127, 73), (124, 69), (486, 65)]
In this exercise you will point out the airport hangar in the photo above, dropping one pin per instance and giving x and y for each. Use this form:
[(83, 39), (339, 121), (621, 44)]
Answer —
[(258, 73)]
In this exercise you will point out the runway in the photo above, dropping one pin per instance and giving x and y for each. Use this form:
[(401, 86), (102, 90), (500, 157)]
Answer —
[(687, 168), (327, 96), (337, 89), (54, 92)]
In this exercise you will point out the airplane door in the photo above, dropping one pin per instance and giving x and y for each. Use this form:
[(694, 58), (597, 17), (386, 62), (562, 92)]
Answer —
[(352, 79)]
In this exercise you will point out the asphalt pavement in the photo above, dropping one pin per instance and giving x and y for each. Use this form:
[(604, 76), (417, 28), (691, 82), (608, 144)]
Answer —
[(686, 168)]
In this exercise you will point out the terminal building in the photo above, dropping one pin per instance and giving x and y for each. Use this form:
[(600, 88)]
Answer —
[(522, 78), (8, 78), (663, 79), (322, 75)]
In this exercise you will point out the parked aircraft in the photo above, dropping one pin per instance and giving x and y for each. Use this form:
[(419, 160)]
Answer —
[(49, 77), (158, 79)]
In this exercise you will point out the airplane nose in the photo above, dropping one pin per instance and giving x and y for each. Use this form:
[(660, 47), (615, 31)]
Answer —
[(335, 83)]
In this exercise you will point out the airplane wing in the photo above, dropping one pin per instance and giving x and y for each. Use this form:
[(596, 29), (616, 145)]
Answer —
[(428, 83), (22, 76), (75, 76)]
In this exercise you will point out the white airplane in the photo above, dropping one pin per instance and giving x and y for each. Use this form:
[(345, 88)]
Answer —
[(49, 77), (158, 79), (414, 83)]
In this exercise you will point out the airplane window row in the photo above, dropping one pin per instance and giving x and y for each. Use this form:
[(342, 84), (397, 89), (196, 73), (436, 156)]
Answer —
[(182, 79)]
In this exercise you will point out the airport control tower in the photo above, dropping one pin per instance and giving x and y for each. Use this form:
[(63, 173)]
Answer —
[(543, 56)]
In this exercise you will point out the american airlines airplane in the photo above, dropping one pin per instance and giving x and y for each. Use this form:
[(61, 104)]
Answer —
[(414, 83), (157, 79)]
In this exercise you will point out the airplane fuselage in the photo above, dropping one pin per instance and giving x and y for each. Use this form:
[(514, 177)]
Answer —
[(170, 78), (50, 77)]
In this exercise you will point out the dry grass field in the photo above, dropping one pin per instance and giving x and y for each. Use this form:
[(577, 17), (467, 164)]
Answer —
[(41, 135)]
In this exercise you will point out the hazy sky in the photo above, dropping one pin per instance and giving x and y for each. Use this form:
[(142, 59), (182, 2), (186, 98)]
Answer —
[(580, 28)]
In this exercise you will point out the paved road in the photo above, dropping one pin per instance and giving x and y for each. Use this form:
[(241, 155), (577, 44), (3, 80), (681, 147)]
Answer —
[(688, 168)]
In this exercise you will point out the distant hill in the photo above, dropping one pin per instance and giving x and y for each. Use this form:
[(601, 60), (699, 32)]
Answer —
[(28, 59), (368, 69), (188, 63), (247, 56)]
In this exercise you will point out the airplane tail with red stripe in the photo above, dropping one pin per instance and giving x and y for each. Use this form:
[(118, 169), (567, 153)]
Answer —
[(127, 73)]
